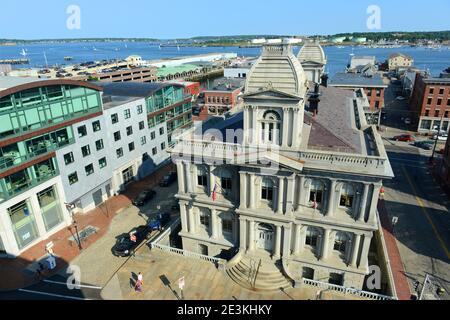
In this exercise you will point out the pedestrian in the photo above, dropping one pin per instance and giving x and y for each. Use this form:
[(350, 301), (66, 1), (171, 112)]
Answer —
[(40, 271), (140, 278), (138, 286)]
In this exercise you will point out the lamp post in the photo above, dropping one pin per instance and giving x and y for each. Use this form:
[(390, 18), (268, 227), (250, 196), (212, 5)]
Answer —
[(70, 207)]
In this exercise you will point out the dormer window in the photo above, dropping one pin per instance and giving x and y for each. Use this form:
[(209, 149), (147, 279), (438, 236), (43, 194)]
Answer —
[(271, 128)]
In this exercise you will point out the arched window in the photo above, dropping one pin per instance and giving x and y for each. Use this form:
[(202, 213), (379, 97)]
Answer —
[(347, 196), (312, 236), (271, 127), (202, 176), (341, 241), (267, 189), (225, 180), (316, 192)]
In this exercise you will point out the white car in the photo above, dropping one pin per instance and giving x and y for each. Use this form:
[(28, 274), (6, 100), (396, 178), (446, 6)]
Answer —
[(440, 137)]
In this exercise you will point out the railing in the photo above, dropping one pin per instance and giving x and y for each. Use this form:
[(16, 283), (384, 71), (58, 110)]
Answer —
[(221, 149), (186, 253), (344, 290)]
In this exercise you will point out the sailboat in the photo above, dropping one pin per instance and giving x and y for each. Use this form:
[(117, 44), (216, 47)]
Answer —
[(178, 48), (160, 46), (94, 48), (23, 52)]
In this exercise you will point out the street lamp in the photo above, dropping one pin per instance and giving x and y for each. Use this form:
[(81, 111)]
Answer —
[(70, 207)]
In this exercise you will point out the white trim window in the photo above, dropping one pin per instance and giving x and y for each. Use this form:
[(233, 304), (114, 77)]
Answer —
[(347, 198), (271, 127), (267, 187)]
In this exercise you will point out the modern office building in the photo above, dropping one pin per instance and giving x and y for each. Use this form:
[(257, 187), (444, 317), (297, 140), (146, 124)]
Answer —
[(313, 60), (430, 102), (290, 184), (65, 141)]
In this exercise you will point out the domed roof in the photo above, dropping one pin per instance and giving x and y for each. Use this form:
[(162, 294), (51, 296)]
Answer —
[(312, 51), (277, 68)]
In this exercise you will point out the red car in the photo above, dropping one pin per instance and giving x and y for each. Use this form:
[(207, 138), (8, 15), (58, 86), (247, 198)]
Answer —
[(405, 137)]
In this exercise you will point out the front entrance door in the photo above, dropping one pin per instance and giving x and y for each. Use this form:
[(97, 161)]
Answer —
[(266, 237), (98, 197), (127, 175)]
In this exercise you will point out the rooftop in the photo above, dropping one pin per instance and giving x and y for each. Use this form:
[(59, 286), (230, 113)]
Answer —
[(312, 51), (114, 101), (7, 82), (343, 79), (165, 71), (134, 89), (398, 54)]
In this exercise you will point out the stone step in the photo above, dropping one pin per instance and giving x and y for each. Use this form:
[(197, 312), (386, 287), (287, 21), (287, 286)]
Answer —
[(265, 275), (266, 267)]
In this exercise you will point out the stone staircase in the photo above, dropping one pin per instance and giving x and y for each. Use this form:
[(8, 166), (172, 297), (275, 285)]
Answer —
[(268, 278)]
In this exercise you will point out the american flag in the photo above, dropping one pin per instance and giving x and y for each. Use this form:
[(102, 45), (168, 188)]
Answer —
[(214, 193)]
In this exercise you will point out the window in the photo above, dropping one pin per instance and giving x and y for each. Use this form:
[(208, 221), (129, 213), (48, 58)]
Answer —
[(82, 131), (127, 113), (86, 150), (119, 153), (204, 219), (139, 109), (68, 158), (73, 178), (425, 124), (340, 242), (154, 151), (117, 136), (131, 146), (129, 131), (225, 180), (427, 113), (441, 91), (153, 135), (439, 102), (102, 162), (227, 225), (96, 126), (446, 114), (429, 101), (163, 146), (99, 144), (312, 235), (141, 125), (448, 102), (202, 176), (347, 196), (431, 91), (271, 126), (378, 93), (143, 140), (89, 169), (436, 113), (267, 189), (316, 191), (161, 131), (114, 118)]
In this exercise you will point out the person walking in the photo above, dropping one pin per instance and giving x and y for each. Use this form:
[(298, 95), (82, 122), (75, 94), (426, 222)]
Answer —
[(139, 283)]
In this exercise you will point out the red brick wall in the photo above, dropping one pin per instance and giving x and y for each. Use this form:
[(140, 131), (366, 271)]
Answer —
[(373, 98)]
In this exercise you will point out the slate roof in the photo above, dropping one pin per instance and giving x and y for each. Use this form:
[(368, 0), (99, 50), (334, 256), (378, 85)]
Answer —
[(356, 80)]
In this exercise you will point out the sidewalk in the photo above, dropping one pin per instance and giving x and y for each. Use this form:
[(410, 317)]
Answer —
[(400, 281), (16, 273)]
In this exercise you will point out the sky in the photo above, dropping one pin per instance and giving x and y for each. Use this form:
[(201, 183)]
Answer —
[(166, 19)]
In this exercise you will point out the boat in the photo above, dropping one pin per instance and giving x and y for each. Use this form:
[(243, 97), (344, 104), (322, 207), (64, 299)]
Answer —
[(23, 52)]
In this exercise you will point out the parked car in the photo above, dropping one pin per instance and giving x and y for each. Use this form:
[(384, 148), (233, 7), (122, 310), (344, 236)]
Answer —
[(125, 245), (427, 145), (168, 179), (144, 197), (405, 137), (440, 137), (159, 221)]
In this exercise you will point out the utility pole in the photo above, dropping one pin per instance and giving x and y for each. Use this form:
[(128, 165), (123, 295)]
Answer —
[(70, 207)]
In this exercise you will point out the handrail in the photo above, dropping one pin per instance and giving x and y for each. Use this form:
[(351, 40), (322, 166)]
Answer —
[(186, 253), (345, 290)]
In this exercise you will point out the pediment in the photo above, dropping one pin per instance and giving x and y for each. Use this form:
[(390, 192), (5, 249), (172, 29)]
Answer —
[(271, 94)]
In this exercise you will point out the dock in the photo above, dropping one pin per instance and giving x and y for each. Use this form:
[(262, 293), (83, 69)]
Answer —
[(15, 61)]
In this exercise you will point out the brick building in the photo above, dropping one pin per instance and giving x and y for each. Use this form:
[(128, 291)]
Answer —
[(430, 101), (223, 96)]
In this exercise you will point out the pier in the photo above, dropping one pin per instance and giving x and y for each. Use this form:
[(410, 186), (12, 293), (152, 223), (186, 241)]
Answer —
[(15, 61)]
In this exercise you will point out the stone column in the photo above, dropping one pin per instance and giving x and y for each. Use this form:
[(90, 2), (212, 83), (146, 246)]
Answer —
[(243, 190), (298, 239), (286, 242), (242, 234), (355, 249), (280, 195), (362, 209), (365, 250), (325, 245), (331, 197), (295, 134), (214, 224), (212, 180), (276, 252), (251, 238), (183, 215), (180, 169), (246, 125), (301, 192), (190, 177), (285, 122), (252, 191), (374, 204), (290, 194), (254, 132), (192, 226)]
